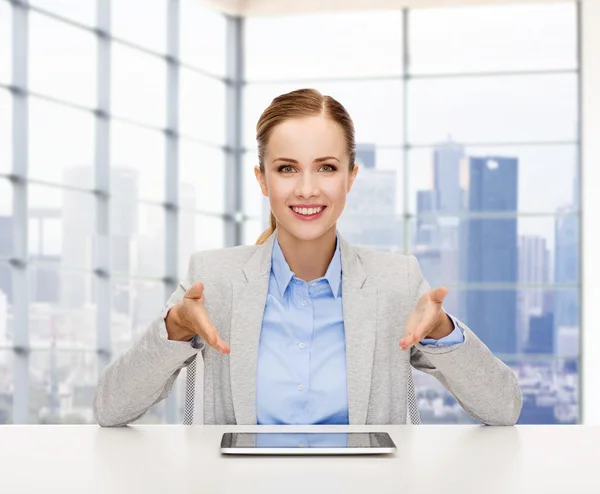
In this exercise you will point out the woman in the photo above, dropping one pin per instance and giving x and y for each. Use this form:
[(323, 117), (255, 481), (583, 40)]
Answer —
[(319, 331)]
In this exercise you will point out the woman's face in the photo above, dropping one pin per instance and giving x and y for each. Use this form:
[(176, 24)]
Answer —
[(306, 175)]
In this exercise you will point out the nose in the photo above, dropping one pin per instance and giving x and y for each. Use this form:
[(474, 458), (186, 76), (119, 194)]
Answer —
[(306, 186)]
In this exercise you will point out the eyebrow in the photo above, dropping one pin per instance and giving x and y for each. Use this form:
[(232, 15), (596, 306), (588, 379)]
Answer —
[(318, 160)]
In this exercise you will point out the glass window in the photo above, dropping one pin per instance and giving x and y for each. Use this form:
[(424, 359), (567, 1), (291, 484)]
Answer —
[(196, 233), (509, 177), (61, 144), (138, 85), (62, 60), (83, 11), (6, 301), (550, 389), (255, 204), (62, 386), (324, 45), (137, 162), (135, 304), (62, 310), (143, 22), (375, 107), (252, 230), (202, 177), (202, 107), (203, 37), (481, 39), (6, 220), (62, 227), (5, 132), (137, 239), (493, 109), (5, 43), (6, 385), (487, 250)]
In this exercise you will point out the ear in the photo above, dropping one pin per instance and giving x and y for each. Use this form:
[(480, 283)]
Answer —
[(261, 179), (353, 174)]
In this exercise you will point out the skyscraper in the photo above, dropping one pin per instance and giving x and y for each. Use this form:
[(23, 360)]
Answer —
[(365, 155), (534, 269), (491, 251), (447, 159), (370, 218), (566, 268)]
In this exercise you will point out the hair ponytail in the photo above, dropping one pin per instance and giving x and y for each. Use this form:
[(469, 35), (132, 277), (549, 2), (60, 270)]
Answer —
[(269, 231)]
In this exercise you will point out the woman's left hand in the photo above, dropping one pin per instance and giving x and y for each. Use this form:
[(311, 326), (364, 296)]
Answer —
[(428, 319)]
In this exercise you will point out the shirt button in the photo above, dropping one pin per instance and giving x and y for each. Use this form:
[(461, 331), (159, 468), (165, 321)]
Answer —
[(301, 345), (300, 388), (313, 284), (304, 302), (300, 445)]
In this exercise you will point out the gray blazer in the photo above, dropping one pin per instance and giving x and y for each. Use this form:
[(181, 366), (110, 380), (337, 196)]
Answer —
[(379, 291)]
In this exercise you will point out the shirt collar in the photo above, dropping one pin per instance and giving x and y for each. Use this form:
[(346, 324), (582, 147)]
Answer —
[(283, 274)]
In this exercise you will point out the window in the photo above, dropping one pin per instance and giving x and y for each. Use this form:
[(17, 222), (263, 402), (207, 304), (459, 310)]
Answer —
[(5, 131), (61, 144), (143, 22), (5, 43), (322, 46), (138, 85), (203, 35), (62, 60), (83, 11)]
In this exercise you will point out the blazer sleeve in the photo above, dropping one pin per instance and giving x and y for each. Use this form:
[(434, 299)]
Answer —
[(485, 387), (145, 373)]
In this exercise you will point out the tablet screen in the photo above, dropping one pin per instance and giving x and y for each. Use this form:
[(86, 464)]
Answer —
[(311, 440)]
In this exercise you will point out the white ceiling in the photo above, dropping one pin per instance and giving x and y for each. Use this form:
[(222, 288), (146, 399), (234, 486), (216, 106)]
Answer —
[(282, 7)]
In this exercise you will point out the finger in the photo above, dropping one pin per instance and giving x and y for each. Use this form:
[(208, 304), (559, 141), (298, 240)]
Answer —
[(438, 294), (213, 339), (196, 291), (414, 337)]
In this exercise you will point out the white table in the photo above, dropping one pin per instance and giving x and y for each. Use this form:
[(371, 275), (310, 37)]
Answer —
[(181, 459)]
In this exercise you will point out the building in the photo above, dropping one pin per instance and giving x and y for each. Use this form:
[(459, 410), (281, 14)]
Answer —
[(491, 252)]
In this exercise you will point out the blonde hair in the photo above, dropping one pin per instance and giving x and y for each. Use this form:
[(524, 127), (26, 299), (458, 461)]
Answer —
[(300, 103)]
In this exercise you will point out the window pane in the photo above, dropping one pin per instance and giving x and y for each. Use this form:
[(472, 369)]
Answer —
[(493, 179), (138, 85), (62, 60), (6, 386), (375, 107), (62, 386), (5, 43), (516, 37), (197, 233), (488, 250), (62, 309), (83, 11), (202, 107), (6, 301), (137, 162), (493, 109), (62, 226), (143, 22), (202, 177), (255, 204), (252, 230), (6, 219), (203, 37), (135, 304), (550, 394), (324, 45), (61, 144), (5, 132), (137, 239)]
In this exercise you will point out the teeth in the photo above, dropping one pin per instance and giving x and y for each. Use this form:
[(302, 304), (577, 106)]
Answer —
[(308, 211)]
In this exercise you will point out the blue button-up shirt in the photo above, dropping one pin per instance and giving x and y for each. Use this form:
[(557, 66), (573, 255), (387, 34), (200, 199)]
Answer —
[(301, 373)]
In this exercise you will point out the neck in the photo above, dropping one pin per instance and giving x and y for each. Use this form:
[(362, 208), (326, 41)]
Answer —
[(308, 259)]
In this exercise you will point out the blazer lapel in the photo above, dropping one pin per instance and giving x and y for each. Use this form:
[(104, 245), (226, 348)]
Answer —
[(249, 298), (359, 304)]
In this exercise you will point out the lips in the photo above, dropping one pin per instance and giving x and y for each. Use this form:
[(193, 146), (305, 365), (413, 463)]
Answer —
[(311, 216)]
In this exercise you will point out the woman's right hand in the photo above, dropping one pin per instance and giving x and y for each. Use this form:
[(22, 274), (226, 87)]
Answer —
[(188, 318)]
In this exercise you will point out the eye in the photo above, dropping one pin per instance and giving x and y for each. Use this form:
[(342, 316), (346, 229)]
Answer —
[(331, 168), (283, 168)]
